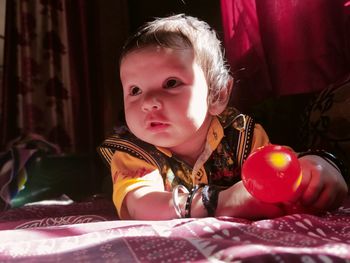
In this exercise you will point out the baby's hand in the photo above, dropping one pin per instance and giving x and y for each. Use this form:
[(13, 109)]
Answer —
[(236, 201), (323, 187)]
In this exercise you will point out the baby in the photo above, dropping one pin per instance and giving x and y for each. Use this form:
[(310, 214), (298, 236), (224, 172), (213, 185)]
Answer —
[(182, 150)]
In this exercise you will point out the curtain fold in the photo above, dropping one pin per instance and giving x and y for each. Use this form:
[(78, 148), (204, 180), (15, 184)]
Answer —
[(8, 109), (283, 47), (46, 76)]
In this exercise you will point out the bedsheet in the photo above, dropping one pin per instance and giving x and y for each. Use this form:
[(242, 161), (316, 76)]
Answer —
[(89, 231)]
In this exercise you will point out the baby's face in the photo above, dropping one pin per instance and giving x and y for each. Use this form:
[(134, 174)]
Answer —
[(165, 96)]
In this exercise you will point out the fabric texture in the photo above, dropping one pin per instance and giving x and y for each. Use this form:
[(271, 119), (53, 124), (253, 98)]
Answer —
[(91, 232), (134, 163)]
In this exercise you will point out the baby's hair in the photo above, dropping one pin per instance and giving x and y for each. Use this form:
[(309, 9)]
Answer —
[(186, 32)]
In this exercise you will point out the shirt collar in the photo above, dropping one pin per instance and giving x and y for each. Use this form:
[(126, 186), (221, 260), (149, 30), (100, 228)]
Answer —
[(215, 133), (165, 151)]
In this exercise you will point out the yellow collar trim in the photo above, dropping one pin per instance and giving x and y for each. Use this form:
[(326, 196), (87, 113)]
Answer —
[(215, 133), (165, 151)]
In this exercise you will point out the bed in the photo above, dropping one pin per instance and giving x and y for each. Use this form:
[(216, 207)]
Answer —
[(89, 231)]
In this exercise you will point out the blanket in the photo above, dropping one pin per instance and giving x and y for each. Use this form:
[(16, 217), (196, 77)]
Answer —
[(89, 231)]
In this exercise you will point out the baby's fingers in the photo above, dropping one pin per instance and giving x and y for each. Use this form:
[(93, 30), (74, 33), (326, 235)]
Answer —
[(312, 187), (312, 184)]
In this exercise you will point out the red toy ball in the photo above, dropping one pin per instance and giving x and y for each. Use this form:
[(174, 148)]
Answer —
[(272, 174)]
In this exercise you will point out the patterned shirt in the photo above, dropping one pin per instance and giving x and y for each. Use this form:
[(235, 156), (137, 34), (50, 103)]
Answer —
[(134, 163)]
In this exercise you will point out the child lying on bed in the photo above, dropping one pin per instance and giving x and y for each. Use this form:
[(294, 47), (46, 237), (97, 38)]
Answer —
[(181, 153)]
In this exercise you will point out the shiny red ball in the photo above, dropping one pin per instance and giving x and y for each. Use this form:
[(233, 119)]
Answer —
[(272, 174)]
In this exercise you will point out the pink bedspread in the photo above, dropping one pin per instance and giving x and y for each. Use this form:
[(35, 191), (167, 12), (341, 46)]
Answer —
[(90, 232)]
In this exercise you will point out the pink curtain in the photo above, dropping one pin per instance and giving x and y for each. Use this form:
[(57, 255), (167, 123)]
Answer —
[(46, 84), (283, 47)]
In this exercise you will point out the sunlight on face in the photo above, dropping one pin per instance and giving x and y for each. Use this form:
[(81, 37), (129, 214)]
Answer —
[(198, 106), (165, 96)]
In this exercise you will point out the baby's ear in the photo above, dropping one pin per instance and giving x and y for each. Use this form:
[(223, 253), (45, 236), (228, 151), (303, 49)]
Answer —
[(218, 103)]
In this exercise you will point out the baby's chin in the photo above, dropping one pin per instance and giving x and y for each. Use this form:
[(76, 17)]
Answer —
[(160, 142)]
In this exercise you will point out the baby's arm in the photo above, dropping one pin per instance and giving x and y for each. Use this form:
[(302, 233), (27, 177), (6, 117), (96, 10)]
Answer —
[(139, 192), (146, 204)]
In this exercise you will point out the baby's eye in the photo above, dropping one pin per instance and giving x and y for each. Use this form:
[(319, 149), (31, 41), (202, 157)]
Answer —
[(171, 83), (134, 91)]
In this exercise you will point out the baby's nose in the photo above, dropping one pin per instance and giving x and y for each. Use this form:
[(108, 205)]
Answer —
[(151, 103)]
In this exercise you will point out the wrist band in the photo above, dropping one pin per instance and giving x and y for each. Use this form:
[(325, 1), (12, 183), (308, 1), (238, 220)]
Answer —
[(328, 157), (176, 201), (210, 199), (190, 199)]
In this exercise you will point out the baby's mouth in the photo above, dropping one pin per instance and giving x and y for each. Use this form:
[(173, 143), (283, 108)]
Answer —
[(156, 124)]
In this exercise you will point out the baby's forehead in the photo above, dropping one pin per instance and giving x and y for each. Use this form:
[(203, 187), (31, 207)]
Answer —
[(156, 59), (158, 50), (153, 55)]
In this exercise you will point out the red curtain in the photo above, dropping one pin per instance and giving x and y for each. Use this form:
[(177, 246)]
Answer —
[(47, 86), (282, 47)]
